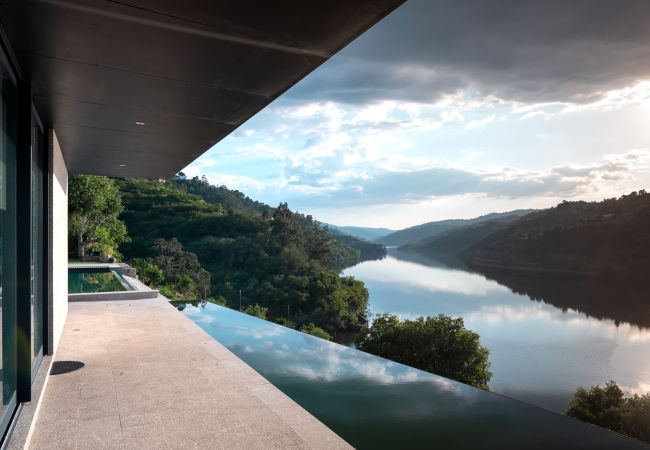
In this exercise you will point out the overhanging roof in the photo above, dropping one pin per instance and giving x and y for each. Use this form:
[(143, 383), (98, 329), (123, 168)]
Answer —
[(191, 70)]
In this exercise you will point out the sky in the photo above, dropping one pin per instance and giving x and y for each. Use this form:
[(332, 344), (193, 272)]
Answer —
[(453, 109)]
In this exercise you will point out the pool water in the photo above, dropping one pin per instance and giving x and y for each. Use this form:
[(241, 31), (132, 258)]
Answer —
[(96, 280), (374, 403)]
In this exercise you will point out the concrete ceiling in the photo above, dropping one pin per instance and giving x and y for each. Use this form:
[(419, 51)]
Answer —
[(191, 70)]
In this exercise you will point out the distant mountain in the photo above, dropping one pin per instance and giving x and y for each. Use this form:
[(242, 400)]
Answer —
[(365, 233), (458, 241), (413, 235), (612, 236)]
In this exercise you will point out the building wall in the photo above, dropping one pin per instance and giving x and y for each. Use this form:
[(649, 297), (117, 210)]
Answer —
[(58, 237)]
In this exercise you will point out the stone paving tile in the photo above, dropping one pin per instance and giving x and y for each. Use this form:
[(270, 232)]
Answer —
[(153, 379)]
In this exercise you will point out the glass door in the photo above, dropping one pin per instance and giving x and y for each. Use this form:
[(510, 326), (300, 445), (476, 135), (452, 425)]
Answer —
[(8, 135)]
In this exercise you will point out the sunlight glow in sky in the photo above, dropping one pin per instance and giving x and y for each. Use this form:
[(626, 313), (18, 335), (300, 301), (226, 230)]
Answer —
[(452, 109)]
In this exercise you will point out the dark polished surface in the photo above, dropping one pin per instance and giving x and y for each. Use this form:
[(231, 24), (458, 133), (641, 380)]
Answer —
[(375, 403), (191, 70)]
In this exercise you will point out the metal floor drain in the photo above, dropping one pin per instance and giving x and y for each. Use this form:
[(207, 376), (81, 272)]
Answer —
[(61, 367)]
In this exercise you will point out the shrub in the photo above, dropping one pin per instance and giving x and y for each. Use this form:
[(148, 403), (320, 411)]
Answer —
[(312, 329), (440, 345)]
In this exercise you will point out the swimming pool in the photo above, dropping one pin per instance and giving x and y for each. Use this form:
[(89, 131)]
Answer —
[(100, 279), (375, 403)]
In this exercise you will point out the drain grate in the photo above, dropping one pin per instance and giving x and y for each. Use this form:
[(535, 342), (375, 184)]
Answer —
[(61, 367)]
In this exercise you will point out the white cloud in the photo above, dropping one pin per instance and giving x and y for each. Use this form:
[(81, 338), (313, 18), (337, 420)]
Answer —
[(451, 116), (479, 123)]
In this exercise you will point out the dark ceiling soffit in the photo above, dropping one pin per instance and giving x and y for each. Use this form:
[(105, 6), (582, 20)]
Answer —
[(5, 43), (187, 26), (86, 157)]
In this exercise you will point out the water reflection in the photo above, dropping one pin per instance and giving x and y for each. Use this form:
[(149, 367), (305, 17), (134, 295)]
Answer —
[(546, 337), (94, 280), (375, 403)]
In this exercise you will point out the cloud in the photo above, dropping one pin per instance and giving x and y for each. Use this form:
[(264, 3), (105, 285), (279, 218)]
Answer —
[(519, 50), (412, 186)]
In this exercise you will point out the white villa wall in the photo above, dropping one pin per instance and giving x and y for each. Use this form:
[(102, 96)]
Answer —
[(58, 230)]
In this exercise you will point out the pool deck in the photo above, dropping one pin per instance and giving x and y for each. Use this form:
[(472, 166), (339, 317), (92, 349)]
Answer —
[(151, 378)]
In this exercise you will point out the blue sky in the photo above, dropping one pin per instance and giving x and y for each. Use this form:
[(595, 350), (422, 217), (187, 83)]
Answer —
[(452, 109)]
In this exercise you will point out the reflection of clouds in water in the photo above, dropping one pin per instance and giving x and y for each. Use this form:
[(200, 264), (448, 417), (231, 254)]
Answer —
[(497, 314), (258, 332), (503, 314), (327, 361), (433, 279)]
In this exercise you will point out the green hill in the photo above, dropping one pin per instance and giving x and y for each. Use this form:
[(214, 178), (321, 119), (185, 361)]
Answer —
[(611, 236), (458, 240), (276, 258), (367, 250), (415, 234)]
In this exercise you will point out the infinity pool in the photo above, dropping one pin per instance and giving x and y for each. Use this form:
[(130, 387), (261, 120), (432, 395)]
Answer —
[(375, 403), (84, 280)]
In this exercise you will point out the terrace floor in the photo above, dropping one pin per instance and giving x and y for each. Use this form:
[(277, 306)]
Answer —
[(151, 378)]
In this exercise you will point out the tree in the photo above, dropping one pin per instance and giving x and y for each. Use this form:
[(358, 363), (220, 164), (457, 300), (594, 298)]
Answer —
[(148, 272), (637, 416), (440, 345), (312, 329), (181, 270), (94, 206), (600, 406), (607, 407), (256, 310)]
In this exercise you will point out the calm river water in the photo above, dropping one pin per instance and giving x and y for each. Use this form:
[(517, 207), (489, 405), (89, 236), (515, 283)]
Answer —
[(546, 337)]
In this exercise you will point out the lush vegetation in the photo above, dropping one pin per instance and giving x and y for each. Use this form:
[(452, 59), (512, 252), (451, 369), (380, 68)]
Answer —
[(175, 272), (257, 311), (94, 205), (312, 329), (608, 407), (274, 258), (591, 238), (440, 345), (367, 250), (458, 241), (582, 237)]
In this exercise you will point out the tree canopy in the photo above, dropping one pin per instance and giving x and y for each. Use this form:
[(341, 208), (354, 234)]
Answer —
[(440, 345), (276, 258), (94, 206), (608, 407)]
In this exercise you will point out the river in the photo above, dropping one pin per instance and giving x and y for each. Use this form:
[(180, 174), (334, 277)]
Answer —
[(546, 337)]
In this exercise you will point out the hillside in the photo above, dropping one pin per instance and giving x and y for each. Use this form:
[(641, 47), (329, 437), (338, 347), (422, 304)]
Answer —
[(458, 240), (274, 257), (612, 236), (412, 235), (364, 233), (367, 250)]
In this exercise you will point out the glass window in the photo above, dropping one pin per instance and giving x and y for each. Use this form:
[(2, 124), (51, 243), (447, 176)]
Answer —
[(8, 136)]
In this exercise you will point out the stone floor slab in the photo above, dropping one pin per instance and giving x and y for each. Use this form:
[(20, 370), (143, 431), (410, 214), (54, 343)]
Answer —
[(151, 378)]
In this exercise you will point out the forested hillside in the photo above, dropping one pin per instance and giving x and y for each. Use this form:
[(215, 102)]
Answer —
[(271, 257), (367, 250), (590, 237), (413, 235), (458, 240)]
